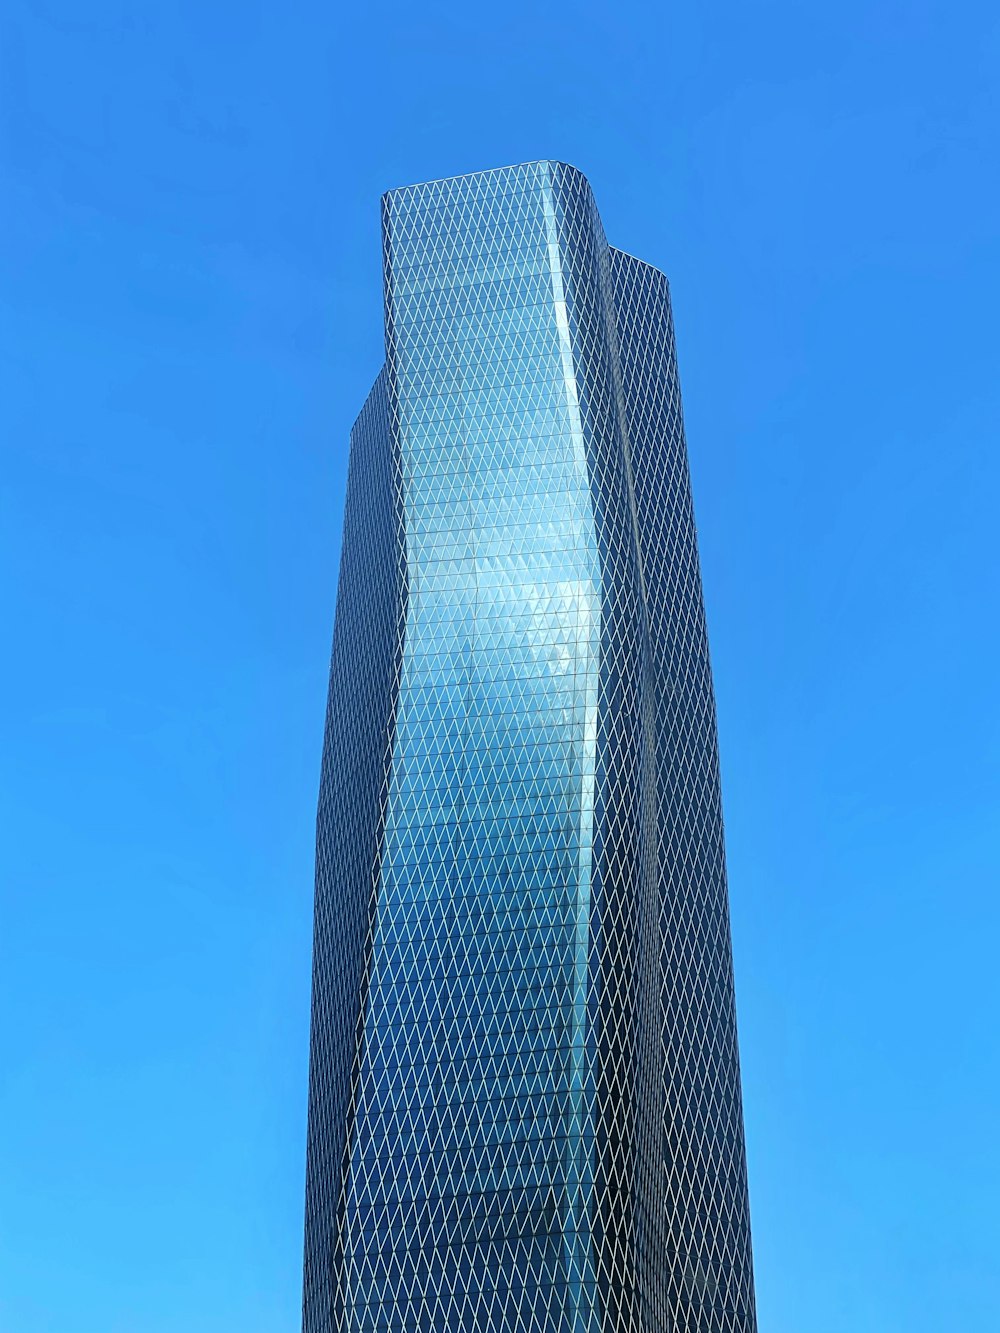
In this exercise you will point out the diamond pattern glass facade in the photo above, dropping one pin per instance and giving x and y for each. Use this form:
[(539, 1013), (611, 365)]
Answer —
[(524, 1109)]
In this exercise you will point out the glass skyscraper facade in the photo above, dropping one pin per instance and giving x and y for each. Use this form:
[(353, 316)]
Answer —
[(524, 1108)]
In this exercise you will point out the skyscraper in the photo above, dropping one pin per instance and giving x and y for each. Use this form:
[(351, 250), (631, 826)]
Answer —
[(524, 1106)]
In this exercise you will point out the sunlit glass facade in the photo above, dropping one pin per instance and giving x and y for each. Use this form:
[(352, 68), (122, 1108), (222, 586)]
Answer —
[(524, 1109)]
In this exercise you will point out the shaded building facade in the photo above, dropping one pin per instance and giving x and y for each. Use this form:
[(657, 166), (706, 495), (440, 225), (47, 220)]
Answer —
[(524, 1105)]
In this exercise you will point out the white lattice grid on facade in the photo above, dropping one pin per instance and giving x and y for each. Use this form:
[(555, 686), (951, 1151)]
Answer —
[(538, 1022)]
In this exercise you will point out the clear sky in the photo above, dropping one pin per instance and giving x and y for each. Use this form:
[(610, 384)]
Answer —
[(190, 321)]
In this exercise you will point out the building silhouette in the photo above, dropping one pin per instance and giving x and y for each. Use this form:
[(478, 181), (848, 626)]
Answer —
[(524, 1102)]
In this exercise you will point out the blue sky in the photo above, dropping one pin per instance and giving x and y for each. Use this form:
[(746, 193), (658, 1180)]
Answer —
[(190, 321)]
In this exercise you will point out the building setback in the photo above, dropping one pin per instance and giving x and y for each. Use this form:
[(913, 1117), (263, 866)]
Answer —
[(524, 1097)]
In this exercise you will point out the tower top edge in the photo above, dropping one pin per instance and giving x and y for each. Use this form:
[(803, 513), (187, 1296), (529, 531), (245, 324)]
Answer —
[(378, 386), (488, 171), (644, 263)]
